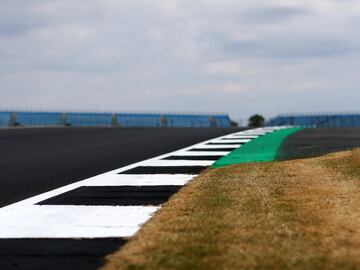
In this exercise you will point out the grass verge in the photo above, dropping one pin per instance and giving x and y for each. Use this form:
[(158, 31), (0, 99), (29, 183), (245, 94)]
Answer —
[(299, 214)]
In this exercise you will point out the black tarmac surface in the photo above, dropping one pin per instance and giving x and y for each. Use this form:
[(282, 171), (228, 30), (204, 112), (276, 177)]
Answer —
[(314, 142), (33, 161), (48, 254)]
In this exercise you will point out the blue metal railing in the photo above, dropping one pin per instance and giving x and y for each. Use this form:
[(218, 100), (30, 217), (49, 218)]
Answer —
[(36, 118), (78, 119), (5, 119), (318, 120)]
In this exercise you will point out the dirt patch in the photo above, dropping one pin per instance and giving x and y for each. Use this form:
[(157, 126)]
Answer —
[(299, 214)]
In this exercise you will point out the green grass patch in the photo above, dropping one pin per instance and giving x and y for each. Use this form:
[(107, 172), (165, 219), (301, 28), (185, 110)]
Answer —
[(261, 149)]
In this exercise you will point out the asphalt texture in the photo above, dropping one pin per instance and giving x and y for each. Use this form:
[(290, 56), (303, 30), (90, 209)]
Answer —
[(49, 254), (314, 142), (33, 161)]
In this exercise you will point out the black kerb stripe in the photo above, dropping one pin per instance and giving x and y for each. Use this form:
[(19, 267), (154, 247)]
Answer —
[(56, 254), (114, 195), (165, 170)]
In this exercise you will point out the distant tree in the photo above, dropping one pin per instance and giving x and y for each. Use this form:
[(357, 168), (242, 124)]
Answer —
[(256, 120)]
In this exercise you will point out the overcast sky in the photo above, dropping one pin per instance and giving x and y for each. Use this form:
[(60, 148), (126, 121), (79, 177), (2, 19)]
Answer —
[(235, 56)]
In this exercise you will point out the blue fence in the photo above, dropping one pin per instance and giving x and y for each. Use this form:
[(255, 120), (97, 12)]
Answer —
[(36, 119), (5, 119), (138, 120), (112, 119), (193, 121), (88, 119), (320, 120)]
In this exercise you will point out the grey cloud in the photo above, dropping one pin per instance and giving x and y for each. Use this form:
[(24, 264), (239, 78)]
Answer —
[(274, 14), (13, 30), (146, 55), (286, 47), (18, 18)]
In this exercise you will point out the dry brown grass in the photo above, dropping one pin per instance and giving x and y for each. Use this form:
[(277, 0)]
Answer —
[(300, 214)]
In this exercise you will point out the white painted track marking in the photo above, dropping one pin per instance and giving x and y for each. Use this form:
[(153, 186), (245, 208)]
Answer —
[(58, 221), (141, 180), (232, 141), (215, 146), (163, 163), (201, 153), (240, 136), (258, 133)]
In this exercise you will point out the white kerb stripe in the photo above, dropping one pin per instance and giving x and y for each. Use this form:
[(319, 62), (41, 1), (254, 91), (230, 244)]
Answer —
[(163, 163), (201, 153), (215, 146), (232, 141), (58, 221), (240, 136), (141, 180)]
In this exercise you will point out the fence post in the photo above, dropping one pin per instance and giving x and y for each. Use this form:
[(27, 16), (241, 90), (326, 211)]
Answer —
[(163, 121), (114, 122), (212, 121), (12, 120), (63, 119)]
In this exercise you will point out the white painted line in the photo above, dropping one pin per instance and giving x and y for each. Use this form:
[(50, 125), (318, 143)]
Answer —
[(140, 180), (232, 141), (201, 153), (247, 132), (163, 163), (256, 133), (240, 136), (54, 221), (221, 146)]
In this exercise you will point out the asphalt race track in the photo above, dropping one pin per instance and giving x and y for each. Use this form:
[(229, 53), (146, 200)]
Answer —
[(73, 227), (314, 142), (34, 161)]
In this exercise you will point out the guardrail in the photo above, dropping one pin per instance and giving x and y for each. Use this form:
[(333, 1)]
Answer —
[(82, 119), (317, 120)]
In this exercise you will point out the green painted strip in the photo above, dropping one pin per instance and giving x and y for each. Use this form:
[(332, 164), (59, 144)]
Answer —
[(261, 149)]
